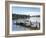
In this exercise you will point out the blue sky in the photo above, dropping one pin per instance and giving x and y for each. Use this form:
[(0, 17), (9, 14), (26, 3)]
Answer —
[(25, 10)]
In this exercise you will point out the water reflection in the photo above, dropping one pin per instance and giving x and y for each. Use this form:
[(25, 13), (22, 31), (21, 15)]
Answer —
[(35, 21)]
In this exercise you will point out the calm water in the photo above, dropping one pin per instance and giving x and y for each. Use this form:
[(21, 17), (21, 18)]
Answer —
[(21, 28)]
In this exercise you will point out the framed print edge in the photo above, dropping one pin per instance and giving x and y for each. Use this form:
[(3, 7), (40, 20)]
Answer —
[(6, 20), (7, 14)]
